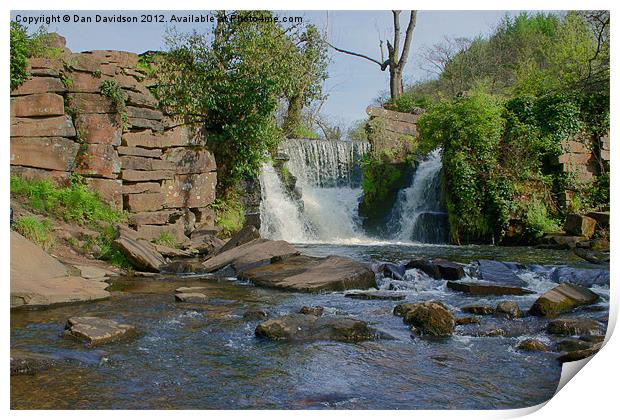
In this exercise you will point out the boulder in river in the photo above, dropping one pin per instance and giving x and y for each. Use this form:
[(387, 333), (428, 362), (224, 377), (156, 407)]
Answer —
[(312, 274), (140, 252), (500, 273), (586, 277), (467, 320), (575, 355), (391, 270), (483, 288), (532, 344), (252, 254), (572, 344), (205, 242), (562, 298), (438, 268), (95, 331), (508, 309), (595, 257), (478, 309), (429, 318), (254, 314), (378, 295), (579, 225), (312, 310), (574, 327), (301, 327), (191, 297)]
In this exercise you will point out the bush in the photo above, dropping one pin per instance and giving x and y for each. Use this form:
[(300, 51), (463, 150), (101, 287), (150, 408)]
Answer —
[(166, 239), (469, 130), (229, 215), (38, 231), (537, 221)]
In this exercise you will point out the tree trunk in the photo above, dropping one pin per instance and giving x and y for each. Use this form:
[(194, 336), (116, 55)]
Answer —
[(396, 84), (292, 120)]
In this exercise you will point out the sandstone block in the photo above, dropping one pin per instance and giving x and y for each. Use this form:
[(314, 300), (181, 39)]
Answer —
[(145, 164), (144, 113), (139, 176), (145, 202), (196, 190), (42, 127), (579, 225), (190, 161), (138, 151), (153, 217), (141, 188), (40, 85), (145, 123), (109, 190), (37, 105), (99, 160), (91, 103), (99, 128), (178, 136), (54, 153)]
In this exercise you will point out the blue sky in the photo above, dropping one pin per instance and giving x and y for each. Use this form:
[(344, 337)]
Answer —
[(353, 82)]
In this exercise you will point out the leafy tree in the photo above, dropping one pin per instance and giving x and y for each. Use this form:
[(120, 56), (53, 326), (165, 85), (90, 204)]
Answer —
[(232, 80)]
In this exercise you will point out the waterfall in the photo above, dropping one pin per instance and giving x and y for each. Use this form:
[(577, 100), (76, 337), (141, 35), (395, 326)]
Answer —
[(329, 180), (418, 213)]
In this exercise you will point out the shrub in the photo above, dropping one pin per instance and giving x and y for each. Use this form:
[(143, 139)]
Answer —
[(166, 239), (229, 215), (537, 220), (38, 231), (112, 90)]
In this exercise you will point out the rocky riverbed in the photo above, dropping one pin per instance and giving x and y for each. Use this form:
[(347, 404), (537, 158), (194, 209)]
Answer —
[(245, 332)]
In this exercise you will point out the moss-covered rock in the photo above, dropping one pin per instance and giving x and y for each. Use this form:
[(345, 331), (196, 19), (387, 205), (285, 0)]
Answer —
[(562, 298), (429, 318)]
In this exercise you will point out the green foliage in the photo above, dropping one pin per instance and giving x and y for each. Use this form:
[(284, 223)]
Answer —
[(165, 238), (112, 90), (469, 131), (229, 215), (74, 203), (537, 220), (410, 100), (107, 250), (357, 131), (232, 81), (378, 178), (38, 231), (303, 132), (20, 50)]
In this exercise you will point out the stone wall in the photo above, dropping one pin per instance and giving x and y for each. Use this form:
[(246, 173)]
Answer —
[(392, 134), (156, 169)]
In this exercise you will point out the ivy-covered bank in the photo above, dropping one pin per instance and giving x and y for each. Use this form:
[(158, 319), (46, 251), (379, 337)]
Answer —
[(524, 137)]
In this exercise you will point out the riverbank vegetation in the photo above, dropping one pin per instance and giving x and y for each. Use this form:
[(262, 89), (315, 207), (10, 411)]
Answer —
[(501, 106), (74, 204)]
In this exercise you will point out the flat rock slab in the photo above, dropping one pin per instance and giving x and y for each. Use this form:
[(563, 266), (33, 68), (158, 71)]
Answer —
[(96, 331), (167, 251), (562, 298), (438, 268), (190, 289), (379, 295), (586, 277), (311, 274), (483, 289), (192, 297), (570, 327), (302, 327), (580, 354), (500, 273), (140, 252), (251, 254), (90, 272)]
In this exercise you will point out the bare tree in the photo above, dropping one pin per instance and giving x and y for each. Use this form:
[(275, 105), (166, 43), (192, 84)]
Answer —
[(394, 62), (440, 60)]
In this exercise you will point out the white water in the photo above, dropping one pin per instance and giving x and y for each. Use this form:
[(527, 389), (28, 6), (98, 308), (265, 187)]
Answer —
[(418, 213), (328, 178), (329, 181)]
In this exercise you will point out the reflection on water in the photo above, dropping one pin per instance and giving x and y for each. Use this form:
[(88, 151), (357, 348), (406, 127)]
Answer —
[(206, 355)]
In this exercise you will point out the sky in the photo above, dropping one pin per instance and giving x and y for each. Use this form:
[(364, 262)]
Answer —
[(353, 83)]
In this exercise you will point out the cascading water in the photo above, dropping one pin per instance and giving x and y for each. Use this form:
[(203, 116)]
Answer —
[(418, 213), (329, 179)]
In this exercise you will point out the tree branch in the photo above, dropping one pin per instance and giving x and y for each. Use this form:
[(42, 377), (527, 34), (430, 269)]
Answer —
[(383, 65), (396, 46), (408, 37)]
